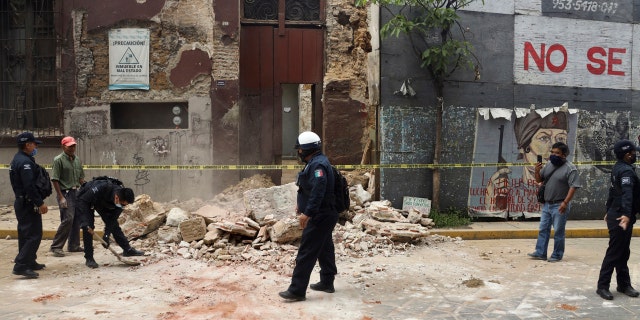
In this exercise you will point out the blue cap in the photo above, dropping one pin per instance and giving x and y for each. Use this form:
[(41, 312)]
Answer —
[(27, 137)]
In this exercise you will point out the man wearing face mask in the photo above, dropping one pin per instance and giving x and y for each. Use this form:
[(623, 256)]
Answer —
[(623, 204), (107, 198), (562, 181), (318, 216), (29, 205)]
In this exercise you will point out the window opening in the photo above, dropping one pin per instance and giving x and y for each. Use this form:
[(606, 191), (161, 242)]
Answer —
[(28, 80)]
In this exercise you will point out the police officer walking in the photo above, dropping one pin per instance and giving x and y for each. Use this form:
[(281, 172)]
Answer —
[(317, 216), (29, 205), (623, 204), (108, 199)]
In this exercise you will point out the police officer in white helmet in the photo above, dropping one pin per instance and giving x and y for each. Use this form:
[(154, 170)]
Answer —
[(317, 215)]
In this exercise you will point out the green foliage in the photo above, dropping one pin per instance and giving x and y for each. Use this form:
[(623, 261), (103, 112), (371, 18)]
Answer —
[(429, 24), (449, 218)]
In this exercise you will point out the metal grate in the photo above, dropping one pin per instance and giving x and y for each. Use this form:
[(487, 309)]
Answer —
[(295, 10), (28, 81)]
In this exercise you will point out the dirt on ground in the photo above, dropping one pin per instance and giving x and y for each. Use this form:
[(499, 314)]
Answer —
[(176, 288)]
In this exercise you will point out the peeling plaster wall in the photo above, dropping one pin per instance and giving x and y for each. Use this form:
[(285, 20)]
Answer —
[(194, 58), (348, 114)]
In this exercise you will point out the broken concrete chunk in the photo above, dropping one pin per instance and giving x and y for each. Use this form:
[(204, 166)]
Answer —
[(279, 201), (175, 216), (360, 195), (240, 228), (285, 230), (193, 229), (141, 217), (213, 214), (169, 234)]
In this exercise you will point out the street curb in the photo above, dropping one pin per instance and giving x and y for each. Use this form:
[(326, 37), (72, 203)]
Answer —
[(521, 234)]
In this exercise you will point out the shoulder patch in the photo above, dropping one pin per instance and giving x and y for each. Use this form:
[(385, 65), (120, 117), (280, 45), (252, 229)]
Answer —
[(318, 173), (27, 166), (625, 180)]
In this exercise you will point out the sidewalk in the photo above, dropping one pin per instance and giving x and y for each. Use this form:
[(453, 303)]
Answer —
[(526, 230)]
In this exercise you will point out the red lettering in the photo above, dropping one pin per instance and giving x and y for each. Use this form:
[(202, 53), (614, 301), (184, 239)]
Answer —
[(560, 68), (613, 61), (539, 59), (542, 58), (600, 62)]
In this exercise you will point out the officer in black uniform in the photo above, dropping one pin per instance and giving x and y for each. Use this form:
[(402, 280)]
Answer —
[(108, 199), (318, 216), (622, 205), (29, 205)]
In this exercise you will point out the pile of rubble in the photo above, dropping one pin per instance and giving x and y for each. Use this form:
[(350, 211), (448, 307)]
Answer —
[(254, 222)]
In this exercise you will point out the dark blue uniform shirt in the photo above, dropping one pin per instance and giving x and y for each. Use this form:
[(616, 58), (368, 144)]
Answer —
[(624, 194), (315, 186), (22, 173)]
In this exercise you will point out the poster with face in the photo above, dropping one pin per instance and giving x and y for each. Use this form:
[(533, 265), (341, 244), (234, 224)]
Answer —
[(514, 144)]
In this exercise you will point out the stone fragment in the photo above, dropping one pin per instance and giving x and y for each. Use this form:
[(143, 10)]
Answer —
[(360, 195), (212, 214), (240, 228), (279, 201), (141, 217), (169, 234), (285, 230), (193, 229), (175, 216)]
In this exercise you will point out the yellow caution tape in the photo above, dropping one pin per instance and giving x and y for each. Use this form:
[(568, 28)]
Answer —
[(298, 167)]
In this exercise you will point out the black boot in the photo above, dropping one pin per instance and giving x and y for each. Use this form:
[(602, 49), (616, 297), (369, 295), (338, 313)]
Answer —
[(91, 263), (132, 252)]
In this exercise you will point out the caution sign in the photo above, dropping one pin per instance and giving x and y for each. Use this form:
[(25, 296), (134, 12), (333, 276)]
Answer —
[(129, 59)]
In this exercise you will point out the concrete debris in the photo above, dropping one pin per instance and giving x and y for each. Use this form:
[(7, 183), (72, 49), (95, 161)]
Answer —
[(193, 229), (275, 202), (241, 228), (285, 230), (212, 214), (142, 217), (260, 227), (169, 234), (175, 216), (359, 194)]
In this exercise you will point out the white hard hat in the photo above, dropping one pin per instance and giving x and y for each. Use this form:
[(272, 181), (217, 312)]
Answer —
[(308, 140)]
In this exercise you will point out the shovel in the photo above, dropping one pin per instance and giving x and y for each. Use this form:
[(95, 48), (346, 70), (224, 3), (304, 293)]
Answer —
[(123, 260)]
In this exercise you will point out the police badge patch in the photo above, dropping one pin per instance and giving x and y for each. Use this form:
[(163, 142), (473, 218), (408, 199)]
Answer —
[(625, 180)]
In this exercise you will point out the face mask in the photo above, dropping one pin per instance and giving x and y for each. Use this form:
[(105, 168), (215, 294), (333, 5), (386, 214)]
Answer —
[(556, 160), (34, 152), (632, 158), (119, 205)]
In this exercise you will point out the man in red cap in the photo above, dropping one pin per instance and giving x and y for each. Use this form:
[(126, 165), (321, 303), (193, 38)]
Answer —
[(67, 177)]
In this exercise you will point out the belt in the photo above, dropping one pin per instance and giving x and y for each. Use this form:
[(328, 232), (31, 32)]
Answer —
[(74, 188), (555, 201)]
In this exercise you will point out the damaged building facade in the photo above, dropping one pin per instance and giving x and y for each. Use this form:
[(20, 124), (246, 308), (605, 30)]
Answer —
[(165, 85), (229, 83)]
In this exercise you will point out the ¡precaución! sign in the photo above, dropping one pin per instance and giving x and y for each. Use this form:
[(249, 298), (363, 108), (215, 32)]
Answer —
[(129, 59)]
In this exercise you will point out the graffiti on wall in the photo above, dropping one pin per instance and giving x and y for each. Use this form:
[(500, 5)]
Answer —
[(142, 176), (159, 145), (517, 136)]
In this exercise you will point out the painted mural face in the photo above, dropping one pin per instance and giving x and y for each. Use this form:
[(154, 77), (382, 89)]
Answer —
[(542, 141)]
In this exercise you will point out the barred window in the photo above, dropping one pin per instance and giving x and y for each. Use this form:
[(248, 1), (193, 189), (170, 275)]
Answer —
[(28, 82), (295, 10)]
